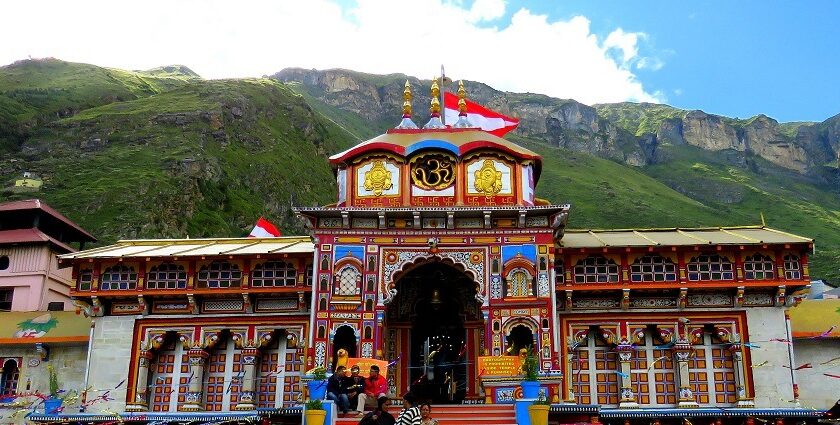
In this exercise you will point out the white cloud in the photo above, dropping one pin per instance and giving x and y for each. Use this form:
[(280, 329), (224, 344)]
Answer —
[(217, 39), (650, 63)]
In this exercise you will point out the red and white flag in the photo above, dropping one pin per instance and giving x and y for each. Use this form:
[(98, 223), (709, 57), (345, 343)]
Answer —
[(264, 229), (479, 116)]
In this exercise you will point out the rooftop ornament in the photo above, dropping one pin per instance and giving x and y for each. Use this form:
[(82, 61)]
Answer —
[(434, 121), (462, 122), (406, 117)]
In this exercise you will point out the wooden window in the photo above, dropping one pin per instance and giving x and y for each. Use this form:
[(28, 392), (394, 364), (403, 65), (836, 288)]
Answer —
[(653, 373), (519, 283), (9, 378), (167, 276), (793, 267), (710, 267), (307, 277), (596, 269), (594, 377), (85, 279), (559, 272), (711, 373), (653, 268), (119, 277), (348, 281), (219, 274), (273, 274), (758, 267)]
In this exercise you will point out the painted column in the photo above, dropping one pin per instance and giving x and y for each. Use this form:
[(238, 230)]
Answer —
[(682, 352), (740, 376), (248, 394), (625, 353), (195, 395), (141, 385)]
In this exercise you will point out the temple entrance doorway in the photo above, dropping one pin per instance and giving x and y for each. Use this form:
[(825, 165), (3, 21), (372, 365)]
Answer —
[(345, 338), (438, 328)]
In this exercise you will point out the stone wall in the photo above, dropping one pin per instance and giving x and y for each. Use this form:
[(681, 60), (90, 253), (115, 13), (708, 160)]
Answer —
[(111, 357), (69, 362), (772, 382), (815, 389)]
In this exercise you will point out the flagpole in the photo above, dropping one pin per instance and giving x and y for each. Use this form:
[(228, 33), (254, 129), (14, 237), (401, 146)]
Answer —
[(442, 90)]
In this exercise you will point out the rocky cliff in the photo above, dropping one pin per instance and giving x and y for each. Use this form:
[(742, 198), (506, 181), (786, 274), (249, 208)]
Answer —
[(626, 132)]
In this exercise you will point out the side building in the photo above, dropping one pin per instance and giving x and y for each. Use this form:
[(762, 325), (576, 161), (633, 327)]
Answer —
[(38, 328)]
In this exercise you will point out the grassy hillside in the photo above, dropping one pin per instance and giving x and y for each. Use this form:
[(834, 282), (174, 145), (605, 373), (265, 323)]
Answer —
[(203, 159)]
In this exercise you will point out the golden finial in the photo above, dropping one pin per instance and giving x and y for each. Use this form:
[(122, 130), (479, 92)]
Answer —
[(462, 98), (435, 108), (407, 100)]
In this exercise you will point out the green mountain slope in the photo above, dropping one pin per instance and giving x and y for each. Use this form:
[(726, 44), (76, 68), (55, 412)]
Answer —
[(203, 159)]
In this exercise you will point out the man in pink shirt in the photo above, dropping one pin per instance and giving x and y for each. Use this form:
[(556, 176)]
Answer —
[(376, 390)]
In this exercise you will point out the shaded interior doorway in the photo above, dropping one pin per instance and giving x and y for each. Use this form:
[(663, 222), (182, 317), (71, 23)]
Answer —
[(345, 337), (520, 337), (436, 306)]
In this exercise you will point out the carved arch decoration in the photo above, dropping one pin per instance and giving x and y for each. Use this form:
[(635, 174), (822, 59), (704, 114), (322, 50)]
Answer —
[(527, 321), (665, 332), (397, 262)]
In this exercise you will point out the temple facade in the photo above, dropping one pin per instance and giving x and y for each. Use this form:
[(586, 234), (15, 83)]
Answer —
[(436, 256)]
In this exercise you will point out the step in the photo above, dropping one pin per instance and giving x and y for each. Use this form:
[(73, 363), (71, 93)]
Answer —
[(460, 414)]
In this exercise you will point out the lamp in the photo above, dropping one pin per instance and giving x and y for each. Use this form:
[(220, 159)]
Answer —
[(435, 298)]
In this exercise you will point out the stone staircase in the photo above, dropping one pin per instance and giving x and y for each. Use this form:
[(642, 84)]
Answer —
[(460, 414)]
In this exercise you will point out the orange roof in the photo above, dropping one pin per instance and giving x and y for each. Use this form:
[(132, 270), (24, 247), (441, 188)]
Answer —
[(816, 318)]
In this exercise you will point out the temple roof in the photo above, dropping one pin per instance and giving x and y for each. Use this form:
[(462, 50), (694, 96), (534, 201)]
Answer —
[(743, 235), (143, 248), (31, 236), (455, 140)]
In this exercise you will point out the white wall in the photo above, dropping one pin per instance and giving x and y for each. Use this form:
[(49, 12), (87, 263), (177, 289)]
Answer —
[(773, 387), (111, 357), (815, 389)]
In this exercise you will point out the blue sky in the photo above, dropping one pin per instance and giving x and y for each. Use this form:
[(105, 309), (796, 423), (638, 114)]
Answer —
[(735, 58)]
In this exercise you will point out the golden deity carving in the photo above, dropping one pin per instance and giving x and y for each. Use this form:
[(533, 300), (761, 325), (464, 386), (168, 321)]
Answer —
[(433, 172), (378, 179), (488, 180)]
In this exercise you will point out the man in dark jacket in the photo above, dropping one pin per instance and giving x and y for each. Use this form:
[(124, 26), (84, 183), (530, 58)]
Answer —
[(337, 390)]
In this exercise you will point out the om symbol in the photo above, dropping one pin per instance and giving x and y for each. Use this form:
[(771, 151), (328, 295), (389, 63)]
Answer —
[(433, 173)]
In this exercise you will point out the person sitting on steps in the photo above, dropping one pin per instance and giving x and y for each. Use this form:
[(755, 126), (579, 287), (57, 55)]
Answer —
[(355, 385), (337, 390), (376, 389)]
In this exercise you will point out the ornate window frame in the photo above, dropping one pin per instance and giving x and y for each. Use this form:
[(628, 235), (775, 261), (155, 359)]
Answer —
[(653, 268), (118, 277), (792, 266), (710, 267), (274, 274), (174, 276), (225, 274), (759, 266), (596, 269)]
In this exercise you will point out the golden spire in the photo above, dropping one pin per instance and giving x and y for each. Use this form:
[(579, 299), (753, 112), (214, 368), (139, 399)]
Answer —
[(435, 107), (462, 98), (406, 122), (407, 100)]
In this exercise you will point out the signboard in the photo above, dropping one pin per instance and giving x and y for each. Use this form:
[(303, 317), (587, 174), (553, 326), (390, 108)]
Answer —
[(498, 365), (365, 364)]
